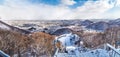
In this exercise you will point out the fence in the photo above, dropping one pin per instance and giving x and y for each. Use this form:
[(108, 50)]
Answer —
[(113, 52), (109, 51), (2, 54)]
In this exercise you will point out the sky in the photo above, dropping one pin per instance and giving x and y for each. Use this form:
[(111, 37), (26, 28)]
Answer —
[(59, 9)]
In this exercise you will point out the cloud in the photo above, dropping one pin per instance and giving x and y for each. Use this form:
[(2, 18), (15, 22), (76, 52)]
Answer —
[(93, 9), (68, 2), (22, 9)]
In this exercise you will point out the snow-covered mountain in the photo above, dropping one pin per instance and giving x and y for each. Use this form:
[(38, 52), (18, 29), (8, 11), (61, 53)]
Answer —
[(61, 31), (6, 26), (99, 26), (115, 22), (86, 23)]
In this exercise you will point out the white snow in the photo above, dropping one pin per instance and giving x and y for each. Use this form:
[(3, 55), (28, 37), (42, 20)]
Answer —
[(2, 26), (70, 48), (93, 53), (68, 39)]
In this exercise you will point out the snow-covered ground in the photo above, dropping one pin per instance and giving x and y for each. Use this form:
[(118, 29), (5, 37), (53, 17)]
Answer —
[(78, 51), (94, 53), (3, 26), (68, 39)]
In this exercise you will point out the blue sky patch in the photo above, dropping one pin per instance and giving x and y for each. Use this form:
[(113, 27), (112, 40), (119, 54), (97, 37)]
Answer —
[(57, 2), (78, 3), (49, 2), (1, 2)]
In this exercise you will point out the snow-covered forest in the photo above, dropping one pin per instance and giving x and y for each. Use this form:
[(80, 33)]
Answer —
[(60, 38)]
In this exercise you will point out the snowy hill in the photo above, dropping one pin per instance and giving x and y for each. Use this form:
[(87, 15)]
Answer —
[(115, 22), (99, 26), (6, 26), (86, 23)]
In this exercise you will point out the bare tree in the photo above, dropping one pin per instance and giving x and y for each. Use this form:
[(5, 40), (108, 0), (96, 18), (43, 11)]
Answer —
[(12, 42)]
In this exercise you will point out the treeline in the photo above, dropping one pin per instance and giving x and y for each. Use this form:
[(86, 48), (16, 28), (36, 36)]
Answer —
[(17, 44), (111, 36)]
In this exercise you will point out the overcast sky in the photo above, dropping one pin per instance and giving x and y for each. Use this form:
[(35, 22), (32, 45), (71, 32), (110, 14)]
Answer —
[(59, 9)]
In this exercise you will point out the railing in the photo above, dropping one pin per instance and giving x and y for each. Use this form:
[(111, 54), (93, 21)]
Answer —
[(56, 52), (2, 54), (114, 52)]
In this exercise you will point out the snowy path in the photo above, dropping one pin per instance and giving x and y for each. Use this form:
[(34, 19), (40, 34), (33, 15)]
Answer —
[(94, 53)]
